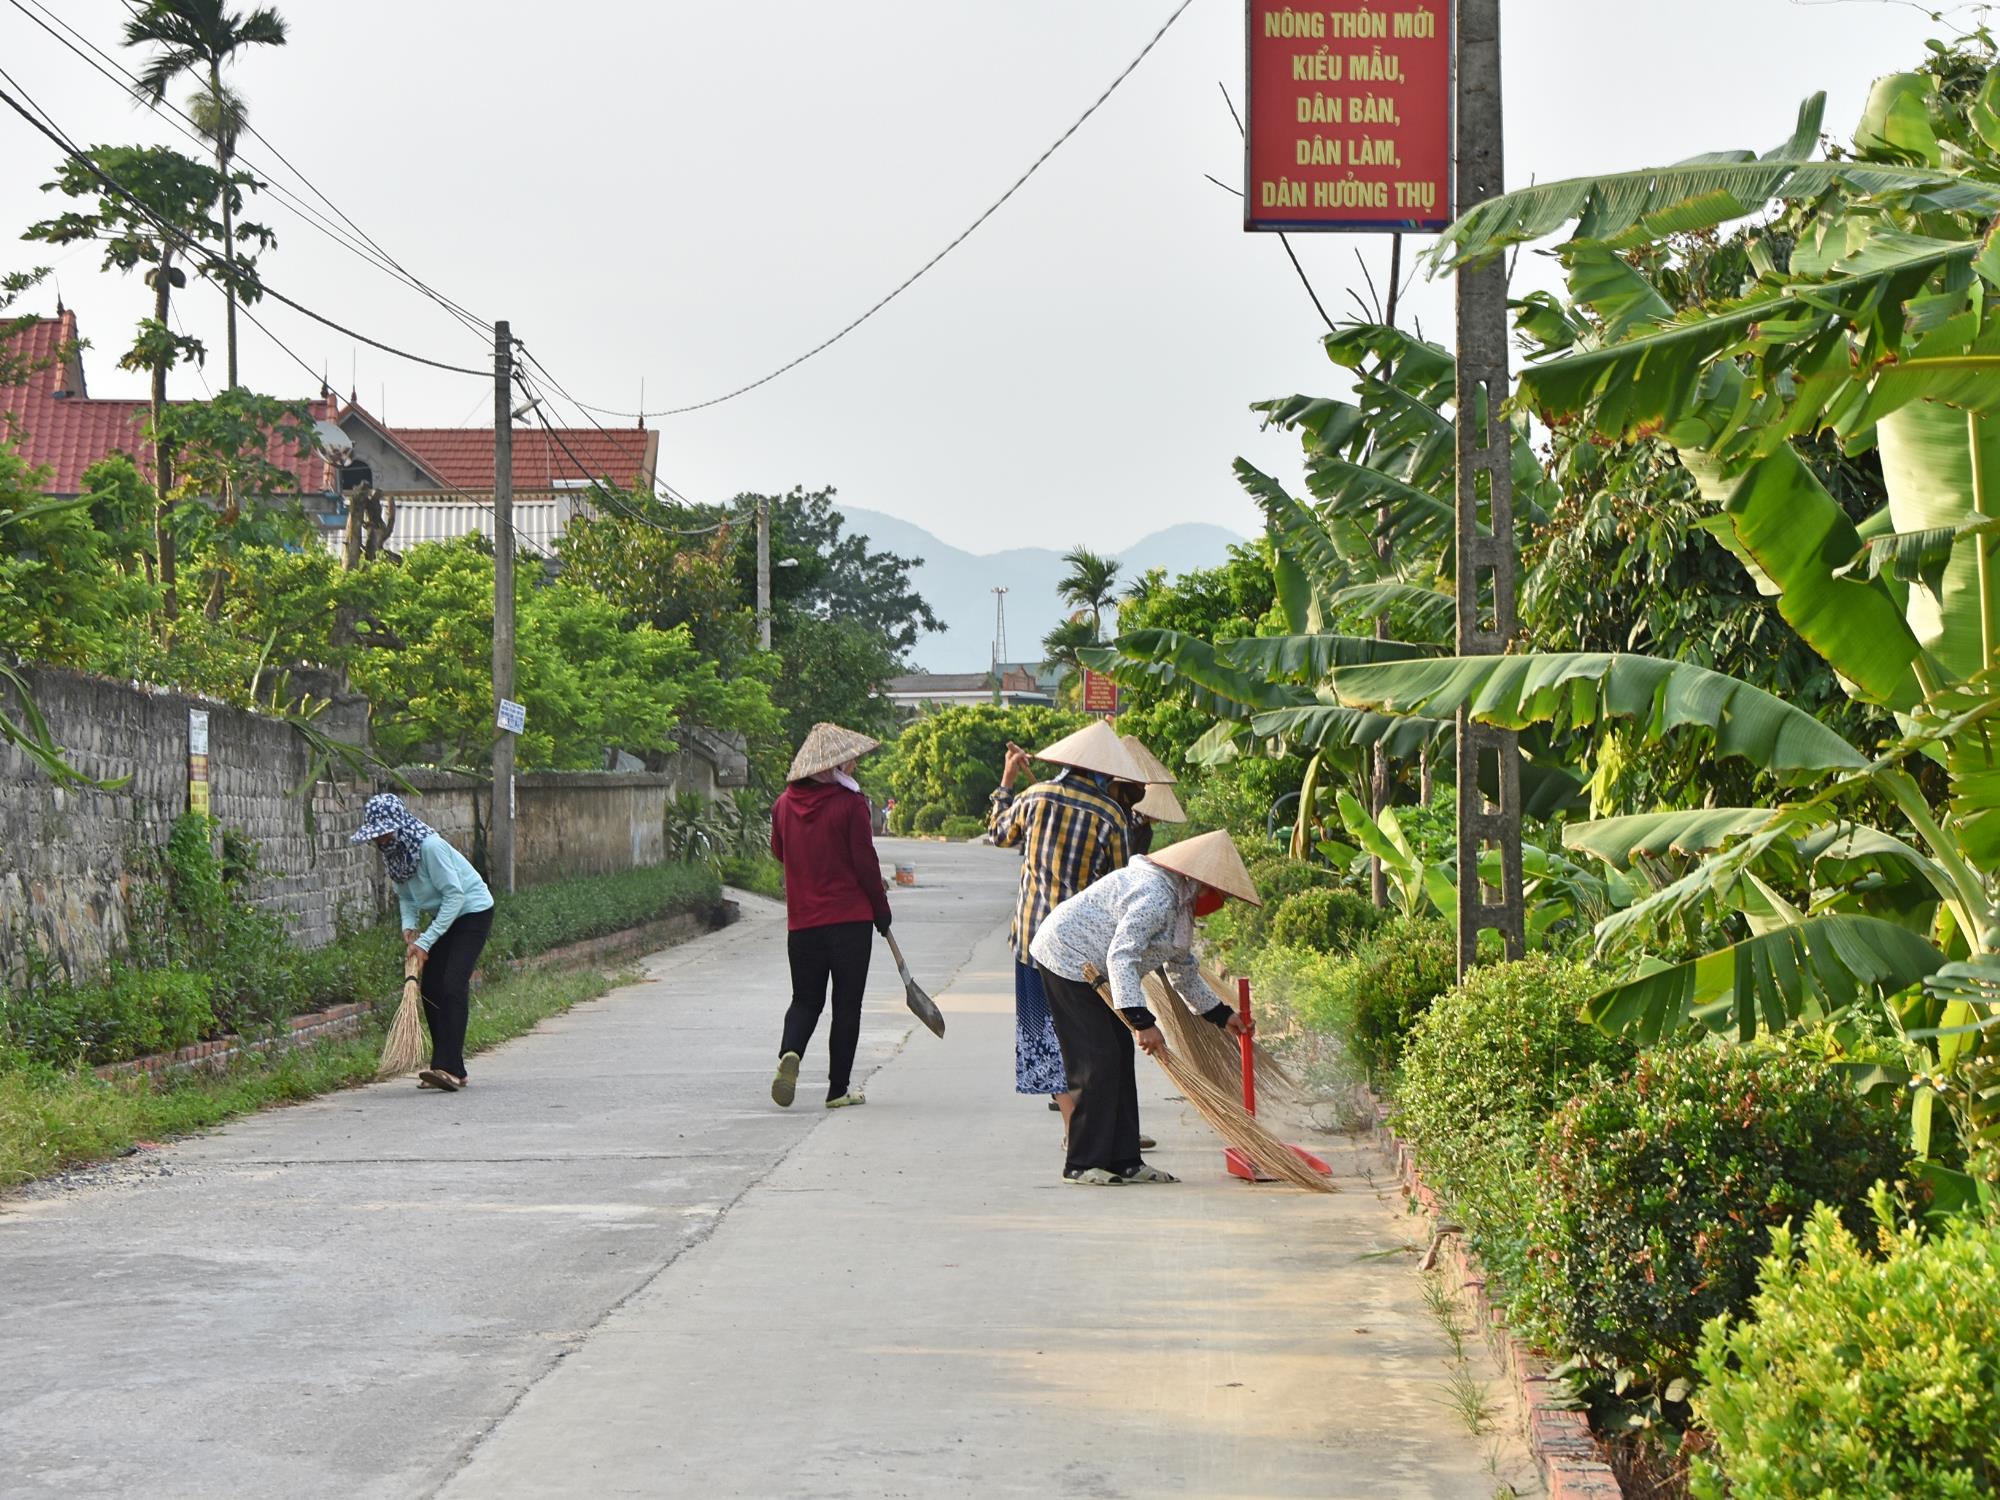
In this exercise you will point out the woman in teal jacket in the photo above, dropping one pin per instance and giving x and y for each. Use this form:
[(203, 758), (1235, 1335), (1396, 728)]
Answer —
[(431, 876)]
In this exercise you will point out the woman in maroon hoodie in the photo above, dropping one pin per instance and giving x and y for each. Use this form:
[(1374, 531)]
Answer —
[(833, 895)]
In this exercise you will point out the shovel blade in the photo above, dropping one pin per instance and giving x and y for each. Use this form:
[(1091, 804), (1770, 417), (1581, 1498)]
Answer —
[(924, 1008)]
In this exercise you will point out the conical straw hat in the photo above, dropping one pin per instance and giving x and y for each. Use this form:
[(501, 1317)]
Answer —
[(1095, 747), (1153, 764), (1161, 805), (1212, 859), (826, 747)]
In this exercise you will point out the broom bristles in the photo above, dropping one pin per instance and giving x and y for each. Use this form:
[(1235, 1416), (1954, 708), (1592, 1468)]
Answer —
[(1190, 1070), (1218, 1053), (403, 1049)]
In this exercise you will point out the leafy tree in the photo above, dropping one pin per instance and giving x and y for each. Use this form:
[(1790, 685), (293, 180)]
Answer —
[(151, 209), (1060, 647), (60, 594), (591, 676), (952, 758), (834, 573), (198, 38), (669, 566)]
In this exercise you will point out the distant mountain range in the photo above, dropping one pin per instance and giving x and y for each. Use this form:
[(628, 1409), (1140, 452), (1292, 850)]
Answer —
[(959, 585)]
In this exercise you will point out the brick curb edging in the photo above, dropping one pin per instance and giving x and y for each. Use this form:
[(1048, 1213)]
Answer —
[(350, 1020), (1559, 1438)]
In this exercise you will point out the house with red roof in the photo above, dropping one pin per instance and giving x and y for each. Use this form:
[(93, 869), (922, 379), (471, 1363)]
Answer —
[(441, 478)]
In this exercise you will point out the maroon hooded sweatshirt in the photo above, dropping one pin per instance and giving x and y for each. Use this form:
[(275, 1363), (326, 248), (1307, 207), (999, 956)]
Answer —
[(819, 830)]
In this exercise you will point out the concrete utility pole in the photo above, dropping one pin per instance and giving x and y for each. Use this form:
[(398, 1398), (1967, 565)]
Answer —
[(764, 572), (500, 838), (1486, 620)]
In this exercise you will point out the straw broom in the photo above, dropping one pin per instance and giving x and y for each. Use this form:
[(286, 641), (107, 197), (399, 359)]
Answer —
[(1225, 1113), (1213, 1049), (403, 1051)]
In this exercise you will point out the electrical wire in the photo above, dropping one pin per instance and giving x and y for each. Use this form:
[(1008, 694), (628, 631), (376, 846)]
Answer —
[(521, 538), (111, 68), (549, 375), (210, 256), (920, 272), (609, 494)]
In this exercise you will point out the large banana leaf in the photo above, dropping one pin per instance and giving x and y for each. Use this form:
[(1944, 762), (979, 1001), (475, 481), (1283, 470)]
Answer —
[(1642, 384), (1769, 981), (1577, 688), (1784, 523), (1329, 726), (1395, 510), (1189, 666), (1415, 612), (1313, 656), (1297, 529), (1697, 831), (1928, 457)]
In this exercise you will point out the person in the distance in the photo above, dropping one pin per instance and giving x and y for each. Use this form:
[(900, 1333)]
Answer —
[(820, 832)]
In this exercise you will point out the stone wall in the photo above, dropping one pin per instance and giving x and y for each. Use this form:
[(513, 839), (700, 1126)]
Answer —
[(70, 857)]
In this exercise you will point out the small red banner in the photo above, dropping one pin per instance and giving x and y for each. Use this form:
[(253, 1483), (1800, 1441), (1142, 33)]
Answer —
[(1100, 693), (1350, 115)]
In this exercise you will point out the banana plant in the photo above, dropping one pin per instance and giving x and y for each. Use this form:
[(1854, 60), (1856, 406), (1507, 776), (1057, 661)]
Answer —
[(1870, 317)]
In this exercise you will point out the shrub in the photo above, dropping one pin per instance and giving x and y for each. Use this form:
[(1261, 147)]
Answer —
[(135, 1012), (1240, 926), (1483, 1068), (1859, 1373), (1330, 920), (1382, 989), (758, 873), (929, 818), (1656, 1196), (959, 826), (535, 919)]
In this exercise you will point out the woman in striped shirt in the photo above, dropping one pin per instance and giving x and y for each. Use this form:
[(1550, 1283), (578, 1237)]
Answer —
[(1072, 830)]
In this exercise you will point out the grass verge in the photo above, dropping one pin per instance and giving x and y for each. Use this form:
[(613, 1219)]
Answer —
[(52, 1118)]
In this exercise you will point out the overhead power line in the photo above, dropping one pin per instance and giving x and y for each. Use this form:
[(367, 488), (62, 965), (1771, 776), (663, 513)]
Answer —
[(210, 255), (921, 271), (365, 248)]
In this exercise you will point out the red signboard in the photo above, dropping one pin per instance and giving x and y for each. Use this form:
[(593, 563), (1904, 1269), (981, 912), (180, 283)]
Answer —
[(1349, 115), (1100, 693)]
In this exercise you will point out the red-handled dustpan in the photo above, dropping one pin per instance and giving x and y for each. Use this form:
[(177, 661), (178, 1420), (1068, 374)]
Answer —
[(921, 1005), (1239, 1164)]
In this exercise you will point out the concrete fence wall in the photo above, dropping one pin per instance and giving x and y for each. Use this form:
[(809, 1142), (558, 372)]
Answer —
[(71, 858)]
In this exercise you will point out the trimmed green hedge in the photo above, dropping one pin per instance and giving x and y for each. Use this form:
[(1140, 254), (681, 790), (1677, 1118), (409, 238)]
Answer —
[(1655, 1197), (229, 967), (1869, 1369)]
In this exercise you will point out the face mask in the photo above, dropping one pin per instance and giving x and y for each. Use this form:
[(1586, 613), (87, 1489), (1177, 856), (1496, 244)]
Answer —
[(1208, 902)]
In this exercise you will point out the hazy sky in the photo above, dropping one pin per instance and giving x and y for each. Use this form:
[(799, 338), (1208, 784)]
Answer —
[(692, 194)]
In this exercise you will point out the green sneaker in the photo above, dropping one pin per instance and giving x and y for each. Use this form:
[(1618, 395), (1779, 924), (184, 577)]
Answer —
[(786, 1084), (851, 1097)]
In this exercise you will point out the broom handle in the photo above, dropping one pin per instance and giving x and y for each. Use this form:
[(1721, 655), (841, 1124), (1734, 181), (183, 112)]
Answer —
[(1249, 1050)]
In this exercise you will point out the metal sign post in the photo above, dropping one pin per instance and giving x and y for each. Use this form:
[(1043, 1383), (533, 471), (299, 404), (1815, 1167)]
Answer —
[(1486, 621)]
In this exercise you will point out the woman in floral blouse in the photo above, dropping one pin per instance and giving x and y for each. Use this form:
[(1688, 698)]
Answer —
[(1131, 922)]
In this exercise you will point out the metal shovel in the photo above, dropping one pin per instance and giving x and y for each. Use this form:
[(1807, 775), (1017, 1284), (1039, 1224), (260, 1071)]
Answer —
[(921, 1005)]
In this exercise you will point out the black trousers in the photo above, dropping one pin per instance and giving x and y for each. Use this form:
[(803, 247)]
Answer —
[(1098, 1053), (447, 988), (839, 953)]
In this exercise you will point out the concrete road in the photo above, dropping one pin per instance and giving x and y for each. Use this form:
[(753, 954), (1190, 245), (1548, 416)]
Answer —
[(613, 1267)]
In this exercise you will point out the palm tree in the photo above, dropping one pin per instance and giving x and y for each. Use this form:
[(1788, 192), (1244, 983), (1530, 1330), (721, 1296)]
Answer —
[(1061, 645), (197, 37), (1091, 583)]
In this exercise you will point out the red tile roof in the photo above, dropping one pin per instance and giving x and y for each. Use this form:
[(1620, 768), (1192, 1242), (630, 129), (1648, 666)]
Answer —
[(56, 425), (463, 456)]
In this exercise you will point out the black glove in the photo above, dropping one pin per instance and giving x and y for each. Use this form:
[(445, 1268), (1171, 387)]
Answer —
[(882, 924)]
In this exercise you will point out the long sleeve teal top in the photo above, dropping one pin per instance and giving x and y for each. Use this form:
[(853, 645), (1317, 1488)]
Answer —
[(445, 883)]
